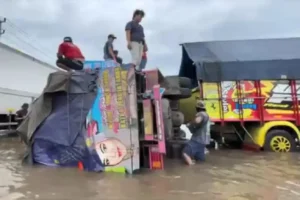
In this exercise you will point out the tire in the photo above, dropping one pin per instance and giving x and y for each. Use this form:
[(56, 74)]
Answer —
[(174, 105), (179, 81), (166, 109), (177, 118), (176, 93), (276, 138)]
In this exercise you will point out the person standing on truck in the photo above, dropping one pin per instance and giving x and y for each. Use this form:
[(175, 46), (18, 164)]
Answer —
[(69, 56), (22, 113), (109, 48), (135, 37), (195, 148)]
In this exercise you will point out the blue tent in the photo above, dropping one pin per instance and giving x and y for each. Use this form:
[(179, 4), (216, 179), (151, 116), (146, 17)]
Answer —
[(260, 59)]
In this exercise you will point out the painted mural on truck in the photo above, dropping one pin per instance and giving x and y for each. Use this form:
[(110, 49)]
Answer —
[(275, 100), (112, 122)]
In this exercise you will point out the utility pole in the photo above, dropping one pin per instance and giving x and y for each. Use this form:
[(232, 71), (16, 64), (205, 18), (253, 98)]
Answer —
[(2, 31)]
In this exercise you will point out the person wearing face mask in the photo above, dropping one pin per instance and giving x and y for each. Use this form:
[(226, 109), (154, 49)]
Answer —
[(199, 127), (109, 48)]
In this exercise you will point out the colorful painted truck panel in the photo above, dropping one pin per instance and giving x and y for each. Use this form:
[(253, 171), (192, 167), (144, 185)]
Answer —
[(251, 101), (248, 101), (112, 127)]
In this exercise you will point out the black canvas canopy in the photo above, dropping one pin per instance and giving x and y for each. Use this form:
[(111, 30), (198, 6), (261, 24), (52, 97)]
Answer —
[(260, 59)]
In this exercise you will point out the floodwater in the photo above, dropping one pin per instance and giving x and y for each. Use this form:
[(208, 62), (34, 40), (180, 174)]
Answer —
[(227, 174)]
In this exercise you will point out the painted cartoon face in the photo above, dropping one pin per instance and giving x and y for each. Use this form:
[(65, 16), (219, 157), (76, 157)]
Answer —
[(111, 151)]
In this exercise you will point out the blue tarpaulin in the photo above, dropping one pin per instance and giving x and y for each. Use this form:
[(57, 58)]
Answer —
[(260, 59)]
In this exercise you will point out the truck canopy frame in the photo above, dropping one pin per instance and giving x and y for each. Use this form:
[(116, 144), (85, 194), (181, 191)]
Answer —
[(257, 59)]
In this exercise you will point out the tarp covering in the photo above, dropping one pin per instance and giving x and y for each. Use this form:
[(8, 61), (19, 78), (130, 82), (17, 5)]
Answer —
[(55, 130), (261, 59), (87, 118)]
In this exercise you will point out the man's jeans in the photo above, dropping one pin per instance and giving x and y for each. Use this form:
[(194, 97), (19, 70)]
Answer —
[(195, 150)]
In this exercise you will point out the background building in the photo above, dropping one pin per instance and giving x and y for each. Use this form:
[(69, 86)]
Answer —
[(22, 78)]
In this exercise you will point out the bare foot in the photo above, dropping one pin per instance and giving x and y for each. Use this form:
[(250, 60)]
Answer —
[(188, 159)]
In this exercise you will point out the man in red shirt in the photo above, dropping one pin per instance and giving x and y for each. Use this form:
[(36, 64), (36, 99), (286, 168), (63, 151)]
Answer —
[(69, 56)]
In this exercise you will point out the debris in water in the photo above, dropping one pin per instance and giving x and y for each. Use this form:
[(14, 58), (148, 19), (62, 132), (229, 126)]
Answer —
[(281, 188), (292, 183), (294, 192)]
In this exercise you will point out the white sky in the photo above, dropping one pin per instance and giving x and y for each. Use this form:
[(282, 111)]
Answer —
[(167, 24)]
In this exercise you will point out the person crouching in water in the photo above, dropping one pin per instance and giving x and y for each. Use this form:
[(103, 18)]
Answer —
[(69, 56), (195, 148)]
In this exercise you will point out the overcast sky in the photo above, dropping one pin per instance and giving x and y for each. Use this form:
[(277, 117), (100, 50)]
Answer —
[(167, 24)]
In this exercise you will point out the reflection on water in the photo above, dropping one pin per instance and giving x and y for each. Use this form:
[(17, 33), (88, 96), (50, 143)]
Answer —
[(228, 175)]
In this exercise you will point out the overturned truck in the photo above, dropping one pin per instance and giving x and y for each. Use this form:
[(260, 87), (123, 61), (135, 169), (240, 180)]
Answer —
[(105, 118)]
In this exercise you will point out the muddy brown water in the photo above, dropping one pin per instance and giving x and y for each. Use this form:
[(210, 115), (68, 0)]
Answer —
[(227, 174)]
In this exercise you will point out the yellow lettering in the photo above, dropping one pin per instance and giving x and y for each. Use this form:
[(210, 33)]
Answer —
[(107, 97), (109, 116), (276, 105), (117, 75), (118, 87), (105, 79), (123, 123)]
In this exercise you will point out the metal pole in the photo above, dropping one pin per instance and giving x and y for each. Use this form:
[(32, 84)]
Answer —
[(2, 31)]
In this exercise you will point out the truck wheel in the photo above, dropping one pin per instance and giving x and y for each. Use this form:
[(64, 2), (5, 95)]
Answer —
[(177, 118), (179, 81), (177, 93), (279, 141)]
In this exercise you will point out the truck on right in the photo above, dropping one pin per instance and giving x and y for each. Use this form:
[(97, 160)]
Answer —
[(251, 89)]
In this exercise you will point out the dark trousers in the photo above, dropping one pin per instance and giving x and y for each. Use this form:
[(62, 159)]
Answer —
[(72, 64), (195, 150)]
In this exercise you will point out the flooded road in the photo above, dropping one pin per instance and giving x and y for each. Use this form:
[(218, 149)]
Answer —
[(228, 175)]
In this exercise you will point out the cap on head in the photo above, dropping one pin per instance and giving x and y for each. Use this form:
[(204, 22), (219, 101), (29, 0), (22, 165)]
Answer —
[(112, 36), (68, 39), (200, 104)]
